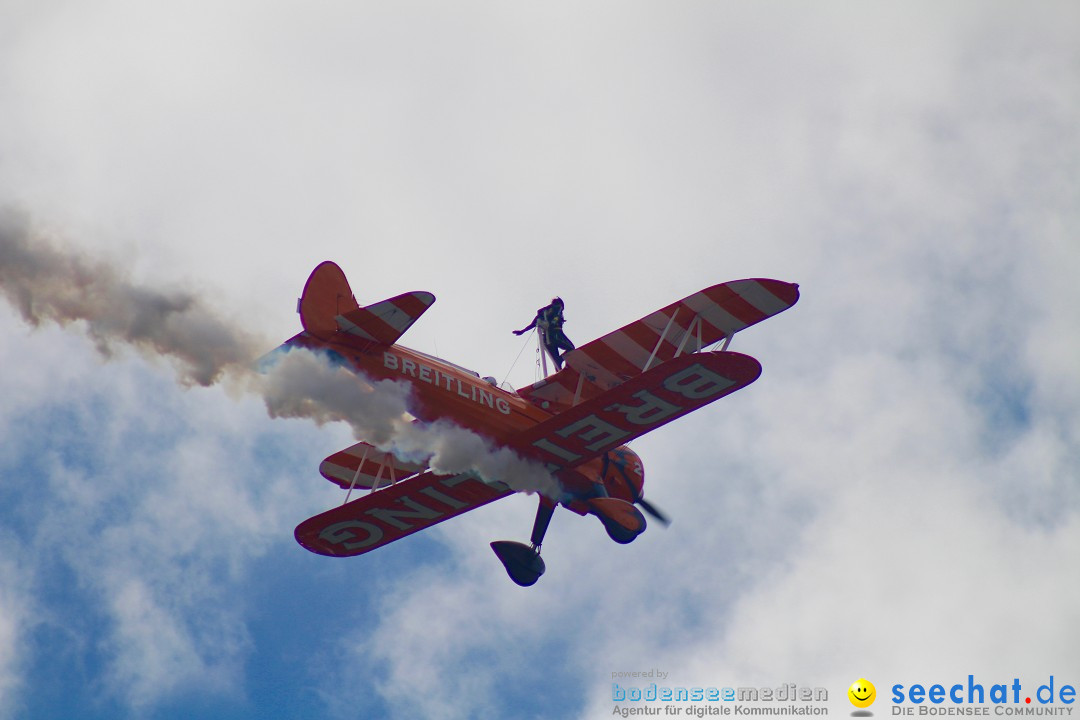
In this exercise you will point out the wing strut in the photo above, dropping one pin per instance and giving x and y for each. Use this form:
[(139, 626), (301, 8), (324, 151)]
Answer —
[(357, 474), (387, 462), (660, 342), (695, 324), (580, 384)]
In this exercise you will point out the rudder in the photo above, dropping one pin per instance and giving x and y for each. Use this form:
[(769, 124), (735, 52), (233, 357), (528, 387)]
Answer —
[(326, 296)]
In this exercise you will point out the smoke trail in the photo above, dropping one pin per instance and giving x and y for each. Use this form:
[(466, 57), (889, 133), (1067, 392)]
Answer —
[(48, 284), (452, 450), (303, 384)]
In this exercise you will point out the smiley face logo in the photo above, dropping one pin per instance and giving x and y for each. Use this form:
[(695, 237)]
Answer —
[(862, 693)]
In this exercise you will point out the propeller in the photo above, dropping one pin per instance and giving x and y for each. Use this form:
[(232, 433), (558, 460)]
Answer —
[(650, 509)]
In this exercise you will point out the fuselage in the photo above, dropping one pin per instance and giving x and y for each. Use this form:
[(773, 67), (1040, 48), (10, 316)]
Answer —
[(440, 389)]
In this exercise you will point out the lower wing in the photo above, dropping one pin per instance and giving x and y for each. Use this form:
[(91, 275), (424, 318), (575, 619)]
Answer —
[(390, 514)]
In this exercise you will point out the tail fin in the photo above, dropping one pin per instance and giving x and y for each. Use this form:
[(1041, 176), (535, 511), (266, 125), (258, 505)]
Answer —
[(326, 296), (328, 306)]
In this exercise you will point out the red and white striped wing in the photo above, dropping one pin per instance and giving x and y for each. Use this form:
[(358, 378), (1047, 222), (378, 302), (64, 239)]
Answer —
[(683, 327), (375, 519)]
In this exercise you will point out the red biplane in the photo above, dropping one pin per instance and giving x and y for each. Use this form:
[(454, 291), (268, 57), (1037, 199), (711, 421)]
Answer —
[(576, 422)]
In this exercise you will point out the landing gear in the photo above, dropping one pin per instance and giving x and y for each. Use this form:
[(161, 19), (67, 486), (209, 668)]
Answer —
[(523, 562), (622, 521)]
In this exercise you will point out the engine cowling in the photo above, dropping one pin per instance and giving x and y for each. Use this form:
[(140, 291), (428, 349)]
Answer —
[(623, 474)]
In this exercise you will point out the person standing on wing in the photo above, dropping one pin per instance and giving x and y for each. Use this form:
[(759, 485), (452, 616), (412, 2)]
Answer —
[(549, 321)]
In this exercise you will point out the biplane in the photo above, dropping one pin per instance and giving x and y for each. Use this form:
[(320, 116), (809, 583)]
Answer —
[(576, 422)]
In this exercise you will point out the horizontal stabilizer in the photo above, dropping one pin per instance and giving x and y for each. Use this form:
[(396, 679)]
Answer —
[(386, 321), (363, 465)]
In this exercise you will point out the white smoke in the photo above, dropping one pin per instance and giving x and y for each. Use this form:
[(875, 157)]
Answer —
[(452, 449), (304, 384), (49, 284)]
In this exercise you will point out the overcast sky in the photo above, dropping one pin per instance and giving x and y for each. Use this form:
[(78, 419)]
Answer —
[(897, 498)]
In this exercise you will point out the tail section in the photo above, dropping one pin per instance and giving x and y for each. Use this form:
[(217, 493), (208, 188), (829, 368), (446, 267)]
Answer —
[(328, 307), (327, 295)]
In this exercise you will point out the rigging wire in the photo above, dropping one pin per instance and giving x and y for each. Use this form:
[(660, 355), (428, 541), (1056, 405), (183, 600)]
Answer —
[(528, 338)]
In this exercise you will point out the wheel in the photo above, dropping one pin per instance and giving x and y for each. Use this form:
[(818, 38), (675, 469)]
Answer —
[(523, 564)]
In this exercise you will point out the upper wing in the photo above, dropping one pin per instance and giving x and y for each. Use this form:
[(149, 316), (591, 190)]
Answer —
[(682, 327), (392, 513)]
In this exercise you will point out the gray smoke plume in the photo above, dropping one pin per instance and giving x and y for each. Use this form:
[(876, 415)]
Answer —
[(49, 284)]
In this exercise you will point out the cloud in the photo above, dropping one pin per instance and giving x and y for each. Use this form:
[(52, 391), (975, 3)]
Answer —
[(159, 649), (147, 511), (17, 622)]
